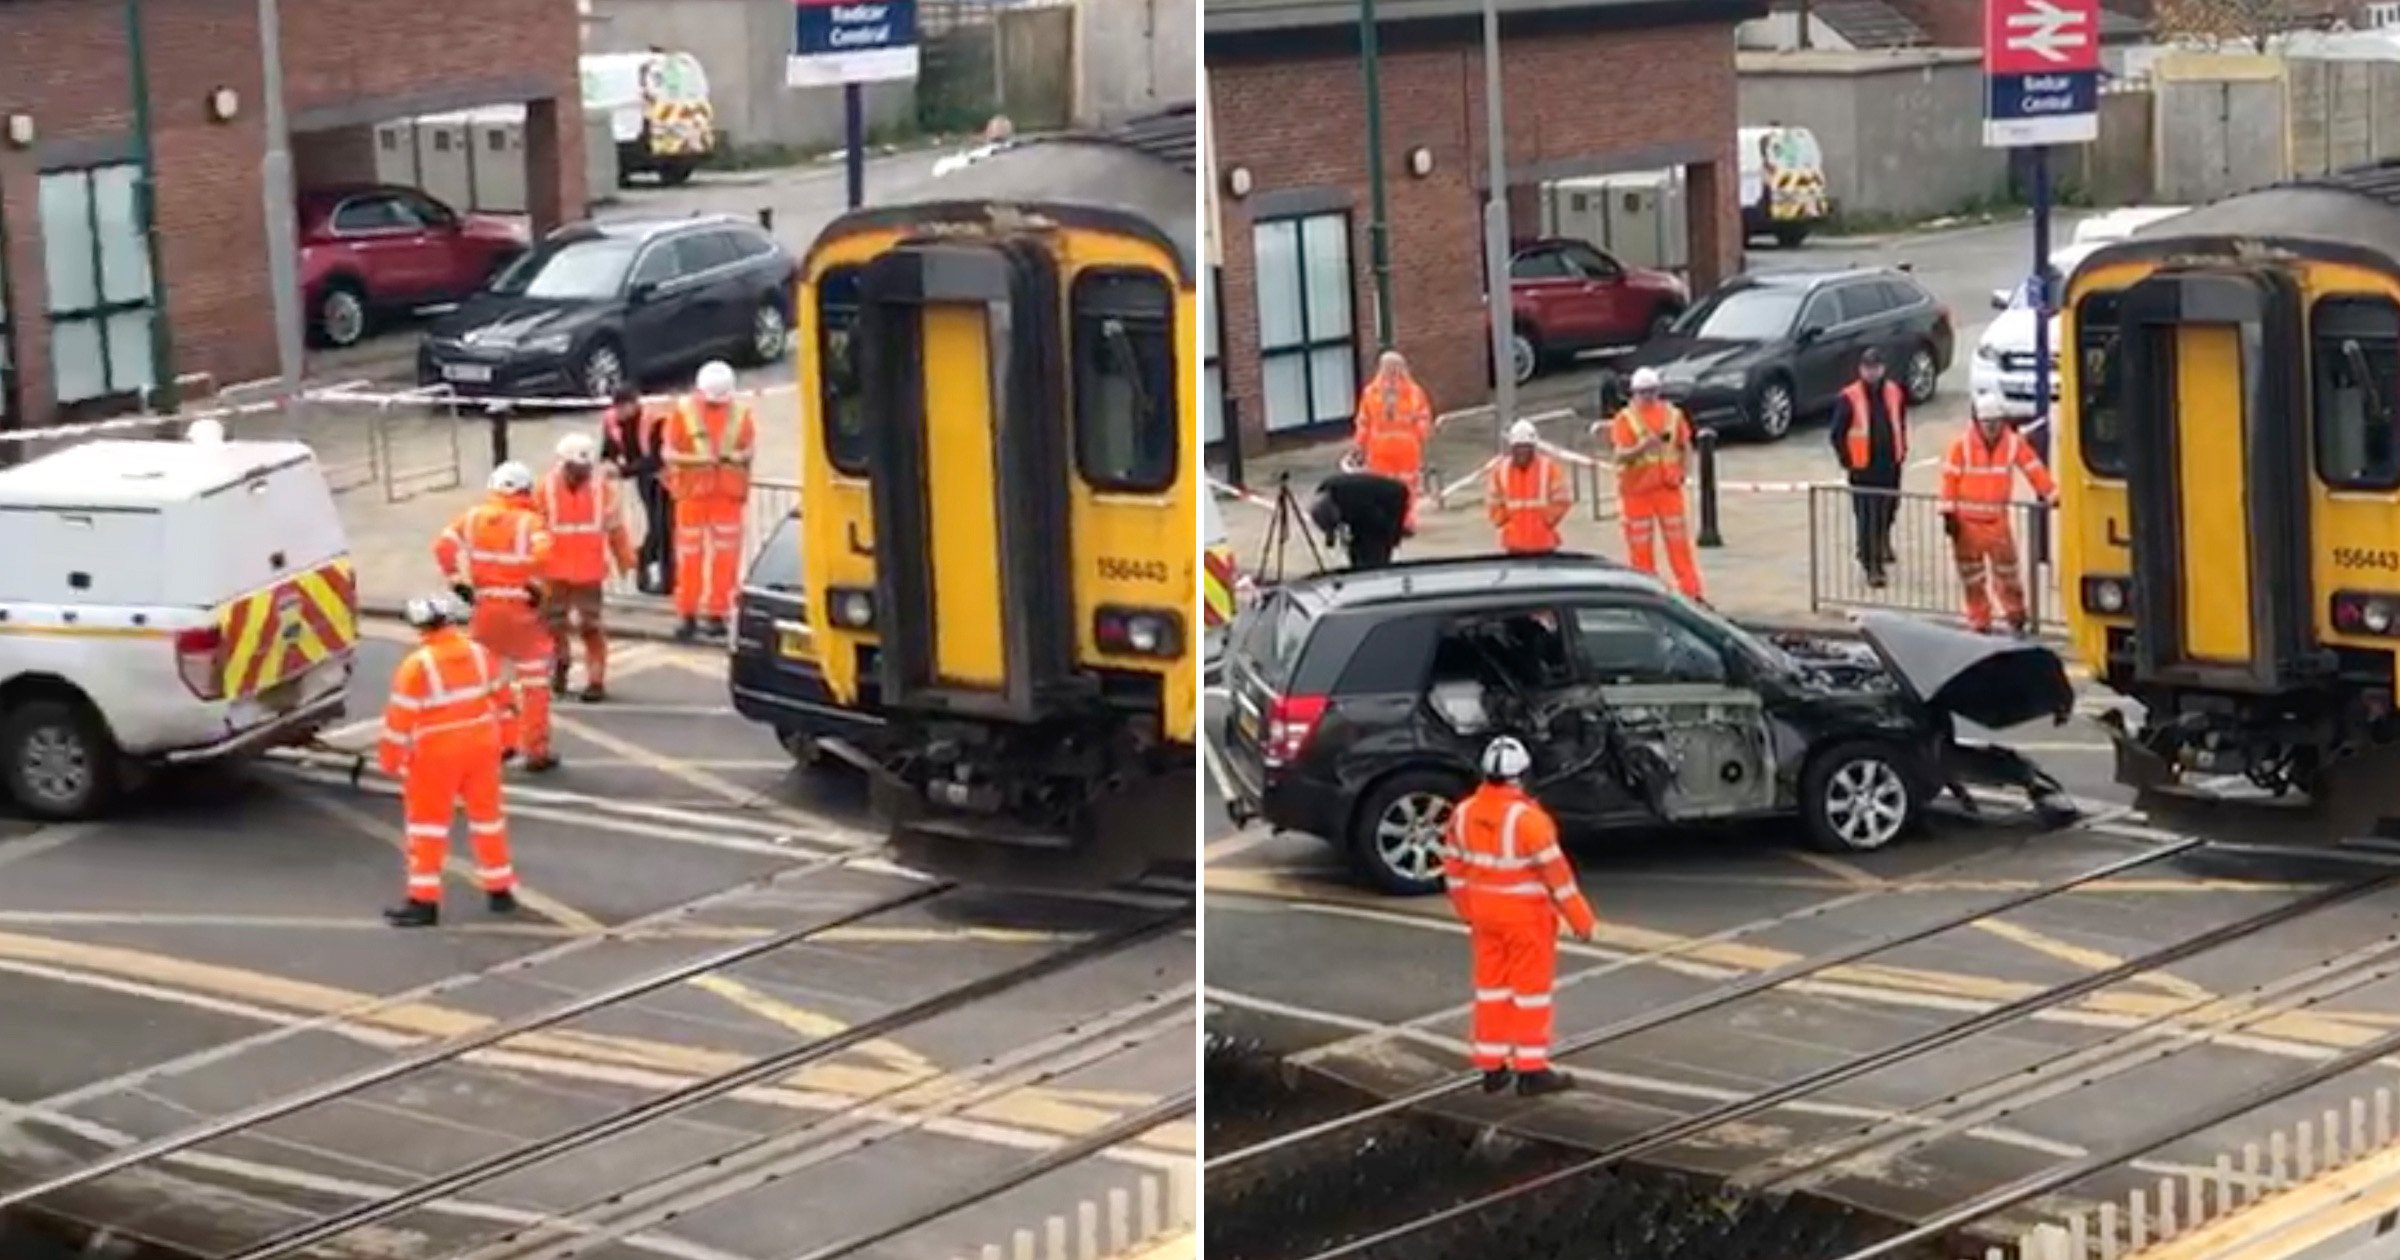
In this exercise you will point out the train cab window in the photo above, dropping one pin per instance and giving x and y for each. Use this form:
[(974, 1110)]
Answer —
[(2099, 384), (2355, 359), (837, 359), (1126, 436)]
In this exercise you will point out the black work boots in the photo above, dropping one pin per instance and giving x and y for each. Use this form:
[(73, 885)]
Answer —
[(1532, 1084), (409, 914)]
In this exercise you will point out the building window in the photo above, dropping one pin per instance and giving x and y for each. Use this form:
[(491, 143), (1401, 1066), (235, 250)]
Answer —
[(838, 385), (1126, 438), (97, 265), (1212, 374), (1307, 352), (2356, 360)]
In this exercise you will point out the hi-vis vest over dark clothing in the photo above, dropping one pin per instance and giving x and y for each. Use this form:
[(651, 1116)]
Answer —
[(1870, 434)]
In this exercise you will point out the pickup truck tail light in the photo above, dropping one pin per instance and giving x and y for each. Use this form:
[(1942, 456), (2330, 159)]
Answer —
[(200, 659), (1291, 720)]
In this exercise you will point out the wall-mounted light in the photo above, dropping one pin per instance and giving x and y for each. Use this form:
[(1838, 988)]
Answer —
[(223, 104), (1420, 161), (1237, 181), (20, 131)]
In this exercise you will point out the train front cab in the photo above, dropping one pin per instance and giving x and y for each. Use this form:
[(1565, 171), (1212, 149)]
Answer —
[(1008, 541), (2231, 514)]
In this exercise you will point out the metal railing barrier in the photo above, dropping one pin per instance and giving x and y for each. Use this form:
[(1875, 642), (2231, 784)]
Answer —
[(1922, 569)]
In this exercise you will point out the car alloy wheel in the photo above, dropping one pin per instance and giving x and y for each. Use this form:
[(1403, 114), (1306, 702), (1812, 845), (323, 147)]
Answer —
[(1923, 376), (1774, 409), (55, 767), (1523, 360), (343, 316), (769, 335), (1408, 837), (603, 372), (1865, 802)]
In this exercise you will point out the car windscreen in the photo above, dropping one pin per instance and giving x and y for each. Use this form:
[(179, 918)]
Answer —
[(588, 269), (777, 565), (1755, 314), (1270, 636)]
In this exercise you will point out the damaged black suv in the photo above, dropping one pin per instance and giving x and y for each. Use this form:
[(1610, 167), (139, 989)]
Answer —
[(1360, 700)]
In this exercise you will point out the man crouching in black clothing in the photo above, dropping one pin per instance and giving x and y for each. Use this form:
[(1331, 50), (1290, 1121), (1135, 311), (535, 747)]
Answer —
[(1363, 513)]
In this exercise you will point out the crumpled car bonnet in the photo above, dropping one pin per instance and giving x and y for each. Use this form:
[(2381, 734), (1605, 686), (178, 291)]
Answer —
[(1993, 682)]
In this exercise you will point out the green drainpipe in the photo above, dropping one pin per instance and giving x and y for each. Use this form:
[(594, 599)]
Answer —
[(1379, 236), (162, 341)]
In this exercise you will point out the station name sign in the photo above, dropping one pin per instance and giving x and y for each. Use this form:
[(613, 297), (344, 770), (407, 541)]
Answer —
[(2041, 72), (836, 42)]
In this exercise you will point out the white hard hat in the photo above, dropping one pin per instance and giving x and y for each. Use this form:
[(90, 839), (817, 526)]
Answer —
[(1522, 433), (1646, 380), (577, 448), (1505, 760), (427, 611), (715, 381), (205, 432), (512, 478)]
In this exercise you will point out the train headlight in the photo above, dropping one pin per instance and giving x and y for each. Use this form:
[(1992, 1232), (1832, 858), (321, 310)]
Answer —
[(852, 609), (2377, 617), (2358, 612), (1139, 631), (2105, 595)]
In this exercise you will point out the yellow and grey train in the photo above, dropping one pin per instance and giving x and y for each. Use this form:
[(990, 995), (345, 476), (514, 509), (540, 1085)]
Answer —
[(999, 420), (2229, 455)]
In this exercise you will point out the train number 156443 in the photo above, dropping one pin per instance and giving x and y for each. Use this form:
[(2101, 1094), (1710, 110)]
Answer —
[(2364, 558), (1116, 569)]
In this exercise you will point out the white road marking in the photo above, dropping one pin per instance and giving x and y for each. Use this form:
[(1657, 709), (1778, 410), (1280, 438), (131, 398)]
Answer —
[(45, 840)]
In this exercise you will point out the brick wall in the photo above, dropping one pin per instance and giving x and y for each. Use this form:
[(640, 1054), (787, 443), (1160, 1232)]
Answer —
[(1300, 123), (65, 62)]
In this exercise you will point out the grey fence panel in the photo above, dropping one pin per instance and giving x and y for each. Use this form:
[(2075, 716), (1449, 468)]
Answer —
[(1923, 575)]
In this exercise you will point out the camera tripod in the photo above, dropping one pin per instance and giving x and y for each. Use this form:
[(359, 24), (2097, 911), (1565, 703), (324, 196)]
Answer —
[(1287, 521)]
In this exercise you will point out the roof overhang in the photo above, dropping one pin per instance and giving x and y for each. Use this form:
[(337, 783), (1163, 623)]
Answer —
[(1272, 28)]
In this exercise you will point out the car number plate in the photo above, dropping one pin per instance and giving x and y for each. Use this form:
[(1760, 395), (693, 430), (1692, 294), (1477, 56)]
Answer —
[(792, 643), (471, 373), (1247, 719)]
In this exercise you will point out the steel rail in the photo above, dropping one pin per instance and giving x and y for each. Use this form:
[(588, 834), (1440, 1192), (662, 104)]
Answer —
[(302, 1237), (773, 1156), (366, 1078), (1166, 1111), (1722, 995), (1677, 1130)]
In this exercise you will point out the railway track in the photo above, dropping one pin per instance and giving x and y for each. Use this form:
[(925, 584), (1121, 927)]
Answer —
[(1089, 1041), (2364, 873)]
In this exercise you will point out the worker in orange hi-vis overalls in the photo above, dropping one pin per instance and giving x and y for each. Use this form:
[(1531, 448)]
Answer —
[(1649, 439), (589, 541), (710, 441), (446, 729), (1395, 420), (1527, 494), (497, 555), (1979, 476), (1510, 882)]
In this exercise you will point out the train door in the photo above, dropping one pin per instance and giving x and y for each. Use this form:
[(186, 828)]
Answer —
[(961, 352), (2217, 478)]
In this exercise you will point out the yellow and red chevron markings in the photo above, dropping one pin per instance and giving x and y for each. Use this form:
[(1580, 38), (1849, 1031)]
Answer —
[(280, 631), (1219, 566)]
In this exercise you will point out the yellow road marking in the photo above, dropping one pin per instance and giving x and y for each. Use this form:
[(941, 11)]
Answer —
[(664, 932), (1850, 874), (1179, 1247), (2089, 959), (731, 792)]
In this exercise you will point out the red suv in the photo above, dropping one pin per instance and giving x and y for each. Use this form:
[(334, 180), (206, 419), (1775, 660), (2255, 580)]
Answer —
[(369, 251), (1568, 296)]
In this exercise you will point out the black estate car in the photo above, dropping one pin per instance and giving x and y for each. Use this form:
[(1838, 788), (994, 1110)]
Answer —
[(774, 676), (598, 304), (1766, 349), (1361, 701)]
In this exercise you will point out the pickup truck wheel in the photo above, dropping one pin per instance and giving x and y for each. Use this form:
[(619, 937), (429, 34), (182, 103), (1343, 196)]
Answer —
[(1859, 796), (57, 760), (1396, 835)]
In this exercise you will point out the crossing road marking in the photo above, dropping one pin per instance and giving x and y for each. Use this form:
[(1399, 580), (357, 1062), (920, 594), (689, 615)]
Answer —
[(46, 840)]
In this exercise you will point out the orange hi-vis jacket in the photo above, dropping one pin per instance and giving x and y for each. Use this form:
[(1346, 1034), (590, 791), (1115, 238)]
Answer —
[(1979, 477), (500, 547), (587, 527), (1528, 503), (1395, 420), (1503, 862), (449, 702), (1661, 467), (708, 450), (1859, 444)]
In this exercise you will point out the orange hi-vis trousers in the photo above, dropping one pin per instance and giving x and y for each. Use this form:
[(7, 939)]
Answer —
[(1648, 514), (1987, 560), (708, 551), (1516, 962), (438, 782), (515, 632)]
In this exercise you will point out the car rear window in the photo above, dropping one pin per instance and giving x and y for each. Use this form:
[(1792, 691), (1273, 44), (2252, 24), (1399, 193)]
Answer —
[(1271, 637), (777, 565)]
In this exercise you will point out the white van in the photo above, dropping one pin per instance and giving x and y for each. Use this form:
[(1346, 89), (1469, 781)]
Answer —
[(659, 111), (165, 602), (1783, 183), (2002, 377)]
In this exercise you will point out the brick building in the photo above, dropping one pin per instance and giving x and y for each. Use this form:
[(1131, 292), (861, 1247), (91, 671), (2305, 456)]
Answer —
[(1591, 87), (81, 299)]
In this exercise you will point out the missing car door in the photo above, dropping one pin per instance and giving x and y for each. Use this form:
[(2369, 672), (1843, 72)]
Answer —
[(1687, 731)]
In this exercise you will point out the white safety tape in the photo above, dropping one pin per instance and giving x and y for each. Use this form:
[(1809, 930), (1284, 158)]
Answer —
[(348, 393), (1228, 490)]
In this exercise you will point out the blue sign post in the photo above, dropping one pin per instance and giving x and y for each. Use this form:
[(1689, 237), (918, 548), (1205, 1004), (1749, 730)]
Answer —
[(852, 43)]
